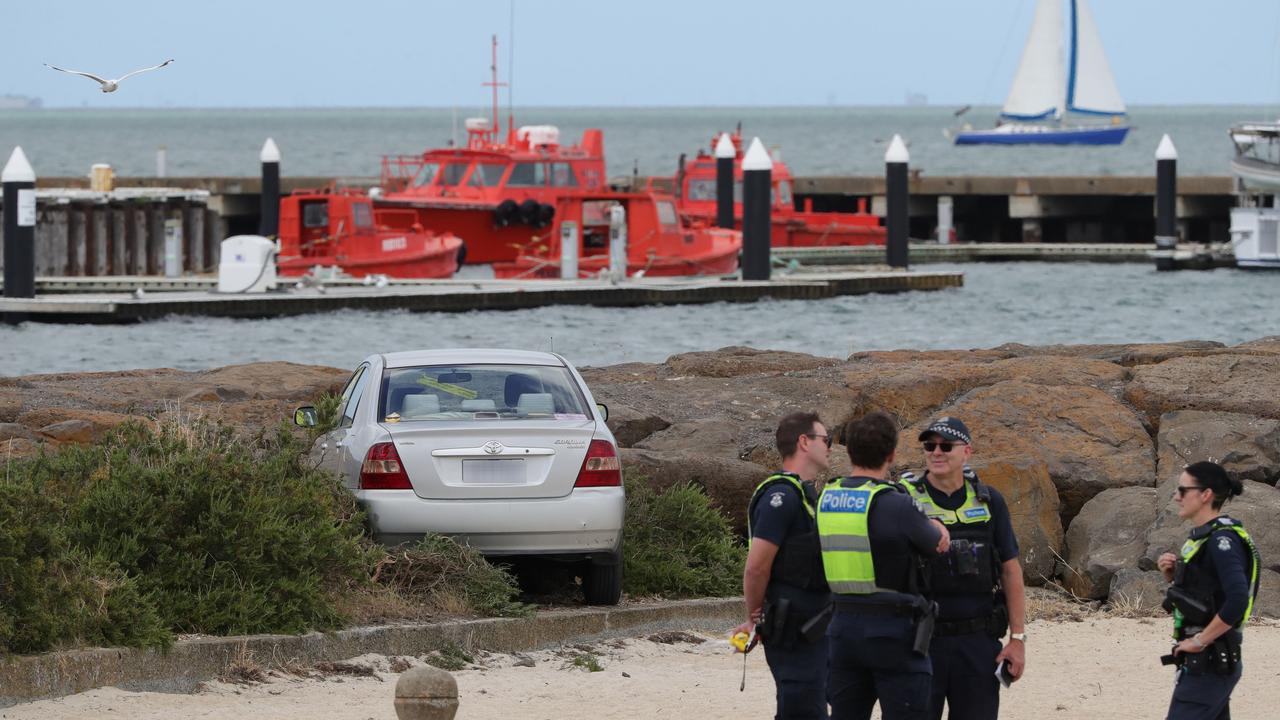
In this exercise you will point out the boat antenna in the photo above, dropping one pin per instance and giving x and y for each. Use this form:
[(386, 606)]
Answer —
[(511, 74), (494, 84)]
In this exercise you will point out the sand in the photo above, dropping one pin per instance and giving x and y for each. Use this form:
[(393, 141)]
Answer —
[(1100, 667)]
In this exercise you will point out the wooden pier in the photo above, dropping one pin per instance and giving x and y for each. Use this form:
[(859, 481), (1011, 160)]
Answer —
[(465, 295), (927, 252)]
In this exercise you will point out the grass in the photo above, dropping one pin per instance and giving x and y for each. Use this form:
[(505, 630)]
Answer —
[(586, 661), (451, 657)]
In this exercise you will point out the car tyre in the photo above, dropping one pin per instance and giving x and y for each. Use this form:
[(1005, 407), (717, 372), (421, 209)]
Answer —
[(602, 581)]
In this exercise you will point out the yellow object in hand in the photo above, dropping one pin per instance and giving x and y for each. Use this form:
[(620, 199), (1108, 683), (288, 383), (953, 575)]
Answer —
[(739, 641)]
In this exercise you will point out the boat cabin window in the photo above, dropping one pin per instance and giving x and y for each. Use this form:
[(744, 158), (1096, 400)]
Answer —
[(667, 215), (315, 214), (783, 196), (452, 173), (362, 214), (705, 189), (562, 175), (488, 174), (595, 225), (528, 174), (426, 174)]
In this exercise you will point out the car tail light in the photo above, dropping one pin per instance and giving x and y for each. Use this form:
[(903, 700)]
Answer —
[(382, 469), (601, 468)]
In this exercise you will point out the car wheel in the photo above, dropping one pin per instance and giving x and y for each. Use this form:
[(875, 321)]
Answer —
[(602, 581)]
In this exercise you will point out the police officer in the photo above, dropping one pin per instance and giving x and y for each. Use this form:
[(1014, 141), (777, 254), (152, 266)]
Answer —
[(783, 584), (977, 584), (1214, 583), (874, 541)]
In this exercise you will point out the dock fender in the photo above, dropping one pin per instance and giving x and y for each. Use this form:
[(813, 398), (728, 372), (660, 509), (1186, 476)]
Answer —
[(507, 213), (529, 212), (546, 213), (462, 253)]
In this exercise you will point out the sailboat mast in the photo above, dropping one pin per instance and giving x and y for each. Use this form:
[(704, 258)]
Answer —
[(1073, 54)]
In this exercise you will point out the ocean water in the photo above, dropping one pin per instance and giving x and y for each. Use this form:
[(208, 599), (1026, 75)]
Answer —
[(1031, 303), (813, 140)]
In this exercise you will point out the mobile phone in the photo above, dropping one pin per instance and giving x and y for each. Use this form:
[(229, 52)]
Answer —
[(1005, 677)]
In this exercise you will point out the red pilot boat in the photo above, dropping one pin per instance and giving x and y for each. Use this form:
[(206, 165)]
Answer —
[(498, 193), (342, 228), (660, 242), (695, 184)]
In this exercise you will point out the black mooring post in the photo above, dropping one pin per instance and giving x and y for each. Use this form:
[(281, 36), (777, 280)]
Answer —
[(757, 181), (19, 182), (725, 155), (269, 226), (1166, 202), (897, 199)]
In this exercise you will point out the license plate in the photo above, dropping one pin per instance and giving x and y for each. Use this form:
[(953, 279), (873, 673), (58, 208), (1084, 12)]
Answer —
[(493, 472)]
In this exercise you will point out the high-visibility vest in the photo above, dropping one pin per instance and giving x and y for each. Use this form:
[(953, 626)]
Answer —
[(842, 532), (1191, 578), (797, 561)]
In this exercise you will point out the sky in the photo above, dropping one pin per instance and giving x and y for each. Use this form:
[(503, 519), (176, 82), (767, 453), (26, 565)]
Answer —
[(402, 53)]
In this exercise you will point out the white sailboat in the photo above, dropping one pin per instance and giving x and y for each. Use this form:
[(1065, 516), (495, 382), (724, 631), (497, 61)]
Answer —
[(1046, 90)]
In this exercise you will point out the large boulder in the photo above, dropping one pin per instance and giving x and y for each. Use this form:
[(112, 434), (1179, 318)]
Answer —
[(630, 426), (739, 361), (1257, 509), (1247, 446), (1033, 510), (728, 483), (1268, 601), (1230, 382), (1140, 591), (1088, 440), (1107, 536)]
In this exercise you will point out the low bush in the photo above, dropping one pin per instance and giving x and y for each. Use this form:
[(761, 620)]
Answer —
[(677, 545), (443, 575)]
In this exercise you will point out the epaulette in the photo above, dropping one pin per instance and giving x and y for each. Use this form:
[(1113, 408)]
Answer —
[(982, 491)]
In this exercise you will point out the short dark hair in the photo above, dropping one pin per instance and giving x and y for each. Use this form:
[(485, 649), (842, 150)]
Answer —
[(791, 428), (871, 439), (1215, 477)]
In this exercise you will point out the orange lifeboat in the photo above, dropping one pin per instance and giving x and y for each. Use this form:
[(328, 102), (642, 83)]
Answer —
[(341, 228), (660, 242), (695, 184)]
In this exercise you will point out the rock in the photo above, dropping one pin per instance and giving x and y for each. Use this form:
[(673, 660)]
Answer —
[(1108, 535), (216, 393), (1087, 440), (708, 436), (10, 405), (77, 431), (1247, 446), (729, 483), (1033, 510), (1268, 602), (1137, 590), (72, 425), (1257, 509), (9, 431), (630, 427), (1128, 355), (18, 449), (1238, 383), (739, 361), (276, 380)]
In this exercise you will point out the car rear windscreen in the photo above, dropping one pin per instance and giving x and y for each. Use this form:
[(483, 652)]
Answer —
[(480, 392)]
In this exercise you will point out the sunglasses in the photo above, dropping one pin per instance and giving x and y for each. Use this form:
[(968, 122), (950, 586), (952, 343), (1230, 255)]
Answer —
[(1184, 489), (825, 438), (931, 445)]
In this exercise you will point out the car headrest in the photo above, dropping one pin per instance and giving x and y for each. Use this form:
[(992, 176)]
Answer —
[(540, 403), (478, 404), (419, 405), (517, 385)]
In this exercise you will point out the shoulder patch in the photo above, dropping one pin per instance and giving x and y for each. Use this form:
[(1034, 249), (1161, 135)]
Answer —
[(775, 499), (1224, 542)]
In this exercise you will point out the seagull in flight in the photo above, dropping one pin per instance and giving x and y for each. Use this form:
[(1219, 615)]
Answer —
[(109, 85)]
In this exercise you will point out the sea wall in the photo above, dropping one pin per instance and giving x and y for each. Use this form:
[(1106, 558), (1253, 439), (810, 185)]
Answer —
[(1084, 441)]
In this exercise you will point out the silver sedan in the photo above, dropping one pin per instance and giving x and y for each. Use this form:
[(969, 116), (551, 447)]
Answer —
[(506, 450)]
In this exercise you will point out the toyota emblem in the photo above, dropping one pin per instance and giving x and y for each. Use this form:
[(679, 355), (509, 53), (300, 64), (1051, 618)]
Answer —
[(493, 447)]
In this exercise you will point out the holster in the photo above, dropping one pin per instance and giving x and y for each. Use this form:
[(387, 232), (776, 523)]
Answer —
[(998, 623), (1194, 610), (927, 615), (773, 628)]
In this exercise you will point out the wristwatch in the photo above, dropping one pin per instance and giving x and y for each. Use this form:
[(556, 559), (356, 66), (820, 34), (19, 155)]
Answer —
[(1018, 636)]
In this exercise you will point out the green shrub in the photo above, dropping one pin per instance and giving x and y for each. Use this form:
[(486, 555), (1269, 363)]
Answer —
[(446, 576), (676, 545), (208, 531), (327, 413)]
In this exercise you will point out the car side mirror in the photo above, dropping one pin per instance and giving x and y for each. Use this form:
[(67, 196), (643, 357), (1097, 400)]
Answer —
[(306, 417), (604, 411)]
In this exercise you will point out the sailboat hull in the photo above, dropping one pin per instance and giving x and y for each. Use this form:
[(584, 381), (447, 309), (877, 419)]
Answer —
[(1044, 135)]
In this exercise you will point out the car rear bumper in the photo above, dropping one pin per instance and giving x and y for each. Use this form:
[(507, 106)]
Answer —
[(587, 522)]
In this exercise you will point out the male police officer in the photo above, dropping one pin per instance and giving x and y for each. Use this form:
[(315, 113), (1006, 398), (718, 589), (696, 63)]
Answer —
[(977, 583), (783, 584), (874, 539)]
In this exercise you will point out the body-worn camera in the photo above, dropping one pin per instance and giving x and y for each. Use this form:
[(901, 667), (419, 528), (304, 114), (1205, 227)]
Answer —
[(964, 557)]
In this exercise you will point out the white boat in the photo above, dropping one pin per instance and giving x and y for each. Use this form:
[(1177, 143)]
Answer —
[(1046, 91), (1255, 221)]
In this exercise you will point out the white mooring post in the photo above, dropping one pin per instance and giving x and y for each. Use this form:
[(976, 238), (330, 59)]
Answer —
[(617, 242), (270, 211), (1166, 202), (725, 155), (757, 197), (19, 182), (568, 250), (897, 200)]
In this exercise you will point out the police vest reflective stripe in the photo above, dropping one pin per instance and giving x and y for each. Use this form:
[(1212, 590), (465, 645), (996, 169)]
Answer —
[(793, 480), (974, 510), (1192, 546), (842, 531)]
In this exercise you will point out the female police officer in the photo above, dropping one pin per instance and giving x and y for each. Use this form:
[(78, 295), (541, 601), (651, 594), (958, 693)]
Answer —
[(1215, 580)]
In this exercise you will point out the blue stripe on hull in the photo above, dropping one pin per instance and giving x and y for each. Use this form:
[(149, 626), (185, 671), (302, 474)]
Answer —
[(1073, 136)]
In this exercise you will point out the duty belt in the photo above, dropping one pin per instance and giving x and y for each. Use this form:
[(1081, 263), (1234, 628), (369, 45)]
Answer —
[(948, 628)]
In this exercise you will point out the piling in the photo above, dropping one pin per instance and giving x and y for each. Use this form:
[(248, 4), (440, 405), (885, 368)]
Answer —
[(270, 214), (897, 201), (162, 158), (19, 182), (568, 250), (757, 181), (945, 215), (725, 155), (617, 242), (1166, 203)]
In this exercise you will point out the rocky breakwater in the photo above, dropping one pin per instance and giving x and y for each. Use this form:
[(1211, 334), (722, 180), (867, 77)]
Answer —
[(1084, 441)]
